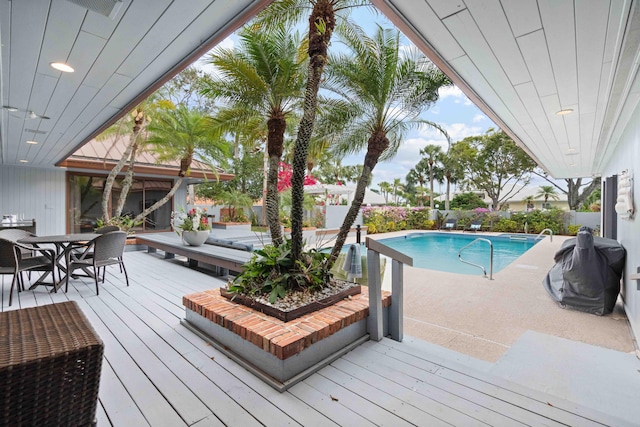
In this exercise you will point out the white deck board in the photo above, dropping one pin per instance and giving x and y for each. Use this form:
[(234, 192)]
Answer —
[(157, 372)]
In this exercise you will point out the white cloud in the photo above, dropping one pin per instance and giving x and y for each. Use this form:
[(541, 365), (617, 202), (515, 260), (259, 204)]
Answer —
[(456, 93), (456, 131), (479, 118), (203, 62)]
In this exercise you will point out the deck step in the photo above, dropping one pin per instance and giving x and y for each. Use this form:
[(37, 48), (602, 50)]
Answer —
[(595, 377)]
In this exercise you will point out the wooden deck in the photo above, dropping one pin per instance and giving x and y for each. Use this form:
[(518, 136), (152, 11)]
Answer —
[(156, 372)]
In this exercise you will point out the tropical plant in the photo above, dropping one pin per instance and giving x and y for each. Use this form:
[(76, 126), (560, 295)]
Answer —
[(383, 90), (124, 222), (322, 22), (273, 272), (184, 135), (262, 77), (547, 192), (578, 190), (195, 219), (432, 153), (235, 201)]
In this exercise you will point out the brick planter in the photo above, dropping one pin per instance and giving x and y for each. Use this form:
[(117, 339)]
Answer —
[(281, 353)]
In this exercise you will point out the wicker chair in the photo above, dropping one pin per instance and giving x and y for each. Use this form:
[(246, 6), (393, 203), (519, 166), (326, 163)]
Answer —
[(104, 250), (50, 364), (14, 260)]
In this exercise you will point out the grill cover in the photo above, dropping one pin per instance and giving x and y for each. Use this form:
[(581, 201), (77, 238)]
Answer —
[(587, 273)]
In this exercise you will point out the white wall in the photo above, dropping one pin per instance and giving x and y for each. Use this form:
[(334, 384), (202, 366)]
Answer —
[(627, 156), (35, 193)]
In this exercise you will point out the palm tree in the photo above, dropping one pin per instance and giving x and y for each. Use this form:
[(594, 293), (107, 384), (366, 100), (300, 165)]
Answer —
[(397, 186), (385, 189), (432, 153), (419, 175), (548, 192), (264, 75), (133, 125), (322, 22), (383, 92), (183, 134)]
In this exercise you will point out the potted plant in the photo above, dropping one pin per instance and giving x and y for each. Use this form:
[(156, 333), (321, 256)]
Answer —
[(194, 227)]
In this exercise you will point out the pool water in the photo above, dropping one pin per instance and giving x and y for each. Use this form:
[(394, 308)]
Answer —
[(439, 251)]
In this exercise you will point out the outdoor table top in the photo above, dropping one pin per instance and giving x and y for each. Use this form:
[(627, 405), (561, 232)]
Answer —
[(59, 238)]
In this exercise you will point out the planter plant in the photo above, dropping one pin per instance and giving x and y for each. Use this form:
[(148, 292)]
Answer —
[(194, 228)]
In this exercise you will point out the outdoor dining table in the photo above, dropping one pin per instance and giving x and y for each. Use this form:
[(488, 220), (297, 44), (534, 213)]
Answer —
[(62, 242)]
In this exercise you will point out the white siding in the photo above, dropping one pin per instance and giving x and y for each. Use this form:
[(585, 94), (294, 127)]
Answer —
[(35, 193), (627, 156)]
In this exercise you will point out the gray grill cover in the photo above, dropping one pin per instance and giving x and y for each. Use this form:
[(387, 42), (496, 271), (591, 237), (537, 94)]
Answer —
[(587, 273)]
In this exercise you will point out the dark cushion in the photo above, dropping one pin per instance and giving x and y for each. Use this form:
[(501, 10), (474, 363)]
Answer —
[(229, 244)]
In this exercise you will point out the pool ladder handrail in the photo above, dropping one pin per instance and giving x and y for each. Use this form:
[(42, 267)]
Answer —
[(539, 236), (484, 271)]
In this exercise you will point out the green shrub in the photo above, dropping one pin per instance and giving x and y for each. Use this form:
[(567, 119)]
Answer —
[(573, 229), (505, 226)]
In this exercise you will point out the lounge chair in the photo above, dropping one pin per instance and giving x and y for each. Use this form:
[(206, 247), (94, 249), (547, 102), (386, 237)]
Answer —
[(474, 226), (450, 224)]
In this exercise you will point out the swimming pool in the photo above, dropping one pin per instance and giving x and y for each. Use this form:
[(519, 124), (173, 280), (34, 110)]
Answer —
[(439, 251)]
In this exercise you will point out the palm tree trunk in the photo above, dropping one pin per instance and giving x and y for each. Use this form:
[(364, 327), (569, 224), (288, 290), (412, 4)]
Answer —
[(275, 146), (141, 216), (272, 202), (323, 17), (377, 143), (111, 178), (127, 182), (431, 201), (446, 200)]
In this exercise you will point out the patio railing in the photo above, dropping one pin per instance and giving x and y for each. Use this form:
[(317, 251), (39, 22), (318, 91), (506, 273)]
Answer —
[(375, 325)]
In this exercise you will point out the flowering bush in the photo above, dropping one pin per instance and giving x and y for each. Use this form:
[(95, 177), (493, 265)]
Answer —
[(393, 218), (194, 220), (285, 174)]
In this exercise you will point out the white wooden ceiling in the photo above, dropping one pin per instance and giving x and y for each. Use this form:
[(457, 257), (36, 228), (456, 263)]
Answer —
[(521, 61), (117, 62)]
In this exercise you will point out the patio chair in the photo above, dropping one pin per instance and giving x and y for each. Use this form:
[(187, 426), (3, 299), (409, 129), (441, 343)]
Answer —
[(474, 226), (450, 224), (105, 250), (16, 258), (79, 249)]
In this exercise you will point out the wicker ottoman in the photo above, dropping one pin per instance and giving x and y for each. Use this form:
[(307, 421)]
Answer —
[(50, 361)]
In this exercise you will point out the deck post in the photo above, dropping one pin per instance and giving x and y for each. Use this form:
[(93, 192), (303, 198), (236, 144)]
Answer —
[(396, 312), (374, 322)]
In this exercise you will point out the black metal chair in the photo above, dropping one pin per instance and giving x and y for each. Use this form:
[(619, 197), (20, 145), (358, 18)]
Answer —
[(474, 226), (450, 224), (16, 258), (100, 252)]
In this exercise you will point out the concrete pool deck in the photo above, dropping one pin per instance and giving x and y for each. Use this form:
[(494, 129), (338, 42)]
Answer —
[(484, 318)]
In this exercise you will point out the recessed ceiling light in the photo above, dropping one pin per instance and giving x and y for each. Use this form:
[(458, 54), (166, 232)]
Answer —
[(572, 151), (32, 142), (61, 66), (572, 164), (24, 161), (564, 112)]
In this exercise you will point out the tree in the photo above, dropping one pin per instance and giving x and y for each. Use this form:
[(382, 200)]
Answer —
[(383, 90), (547, 192), (183, 134), (264, 75), (452, 175), (576, 194), (432, 153), (419, 175), (494, 164), (385, 189), (467, 201), (397, 187)]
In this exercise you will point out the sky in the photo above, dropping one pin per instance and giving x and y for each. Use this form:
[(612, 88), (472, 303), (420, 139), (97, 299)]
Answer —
[(453, 111)]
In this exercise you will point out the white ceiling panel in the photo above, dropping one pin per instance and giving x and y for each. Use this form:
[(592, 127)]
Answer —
[(579, 55), (150, 40), (523, 16), (591, 25), (534, 50), (492, 22), (444, 8), (429, 26)]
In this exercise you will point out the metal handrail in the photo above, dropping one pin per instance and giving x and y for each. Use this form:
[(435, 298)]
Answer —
[(478, 265), (539, 236)]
